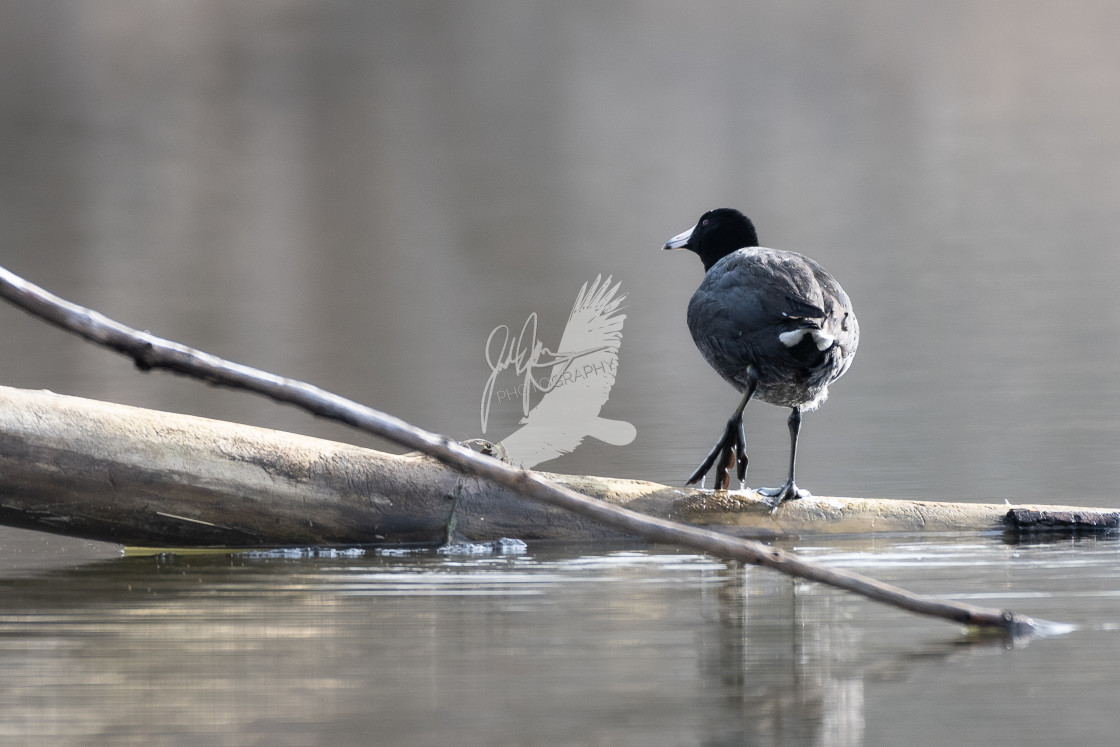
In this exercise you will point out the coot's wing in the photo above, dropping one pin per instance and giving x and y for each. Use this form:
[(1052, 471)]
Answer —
[(759, 290), (840, 322), (749, 300)]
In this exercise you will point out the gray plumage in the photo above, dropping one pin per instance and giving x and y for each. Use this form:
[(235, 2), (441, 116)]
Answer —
[(775, 325), (753, 298)]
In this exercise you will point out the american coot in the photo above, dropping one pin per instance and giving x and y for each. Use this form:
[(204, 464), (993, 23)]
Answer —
[(773, 324)]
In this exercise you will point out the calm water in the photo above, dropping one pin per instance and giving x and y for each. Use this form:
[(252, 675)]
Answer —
[(623, 645), (357, 193)]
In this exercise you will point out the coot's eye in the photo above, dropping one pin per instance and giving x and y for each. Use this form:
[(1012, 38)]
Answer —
[(704, 222)]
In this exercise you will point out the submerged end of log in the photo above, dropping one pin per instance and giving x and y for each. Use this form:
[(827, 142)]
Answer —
[(146, 478), (746, 513)]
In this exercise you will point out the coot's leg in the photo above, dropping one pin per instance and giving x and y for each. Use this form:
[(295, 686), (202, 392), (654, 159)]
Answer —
[(731, 449), (789, 491)]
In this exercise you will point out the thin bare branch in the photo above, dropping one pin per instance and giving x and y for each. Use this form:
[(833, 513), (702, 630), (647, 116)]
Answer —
[(150, 352)]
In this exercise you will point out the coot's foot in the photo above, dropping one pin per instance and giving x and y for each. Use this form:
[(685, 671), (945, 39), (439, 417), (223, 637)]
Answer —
[(730, 452), (788, 492)]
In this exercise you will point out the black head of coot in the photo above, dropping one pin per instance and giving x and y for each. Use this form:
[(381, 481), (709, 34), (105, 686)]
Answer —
[(718, 233)]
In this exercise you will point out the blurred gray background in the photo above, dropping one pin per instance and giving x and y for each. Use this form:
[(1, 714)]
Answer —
[(356, 193)]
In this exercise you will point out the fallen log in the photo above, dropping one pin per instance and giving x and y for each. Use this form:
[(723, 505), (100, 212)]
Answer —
[(147, 478)]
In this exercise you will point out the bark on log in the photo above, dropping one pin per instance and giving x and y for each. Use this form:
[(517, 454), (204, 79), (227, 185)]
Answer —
[(147, 478)]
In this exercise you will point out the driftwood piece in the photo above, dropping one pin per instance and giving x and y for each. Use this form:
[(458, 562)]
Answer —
[(142, 477)]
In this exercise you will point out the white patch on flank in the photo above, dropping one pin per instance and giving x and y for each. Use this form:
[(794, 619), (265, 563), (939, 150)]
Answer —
[(790, 339), (822, 340)]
